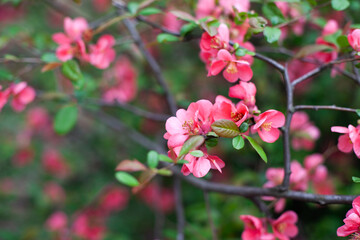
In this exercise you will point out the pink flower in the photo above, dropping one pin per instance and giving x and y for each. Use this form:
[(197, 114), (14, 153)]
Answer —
[(225, 109), (71, 43), (284, 227), (215, 43), (354, 39), (114, 199), (90, 225), (102, 54), (204, 8), (304, 133), (352, 220), (124, 75), (267, 125), (350, 139), (54, 163), (254, 229), (245, 91), (23, 157), (4, 97), (330, 28), (196, 120), (57, 222), (239, 5), (200, 166), (234, 69), (22, 96), (171, 22)]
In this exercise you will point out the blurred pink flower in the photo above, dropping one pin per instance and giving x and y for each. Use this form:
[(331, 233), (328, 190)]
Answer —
[(54, 192), (23, 157), (255, 229), (102, 54), (354, 39), (54, 163), (267, 125), (114, 199), (160, 198), (89, 224), (304, 132), (57, 222)]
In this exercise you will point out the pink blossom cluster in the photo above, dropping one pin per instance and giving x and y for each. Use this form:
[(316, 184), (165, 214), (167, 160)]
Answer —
[(159, 198), (304, 133), (291, 10), (89, 223), (122, 81), (350, 141), (219, 55), (199, 117), (352, 221), (314, 172), (214, 8), (283, 228), (73, 43), (21, 94)]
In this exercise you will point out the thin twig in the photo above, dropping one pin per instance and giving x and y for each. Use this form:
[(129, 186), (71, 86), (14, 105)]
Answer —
[(180, 216), (327, 107)]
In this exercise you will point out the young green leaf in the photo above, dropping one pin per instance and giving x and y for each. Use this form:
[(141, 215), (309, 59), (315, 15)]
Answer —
[(225, 128), (165, 158), (71, 70), (238, 142), (152, 159), (49, 58), (165, 37), (126, 179), (340, 5), (197, 153), (164, 172), (149, 11), (356, 179), (184, 16), (65, 119), (190, 144), (272, 34), (182, 161), (133, 7), (257, 148), (244, 127), (130, 166)]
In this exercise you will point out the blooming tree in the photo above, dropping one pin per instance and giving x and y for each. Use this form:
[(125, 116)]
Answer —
[(219, 95)]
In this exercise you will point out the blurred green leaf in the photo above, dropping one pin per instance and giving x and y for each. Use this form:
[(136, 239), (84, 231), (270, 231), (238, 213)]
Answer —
[(164, 172), (273, 13), (356, 179), (190, 144), (165, 158), (133, 7), (340, 5), (127, 179), (197, 153), (165, 37), (152, 159), (49, 57), (272, 34), (65, 119), (149, 11)]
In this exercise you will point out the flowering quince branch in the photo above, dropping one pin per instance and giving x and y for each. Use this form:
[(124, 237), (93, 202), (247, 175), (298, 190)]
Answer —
[(320, 107)]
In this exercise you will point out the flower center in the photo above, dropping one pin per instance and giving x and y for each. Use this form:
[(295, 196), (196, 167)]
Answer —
[(232, 68), (190, 127), (266, 126), (236, 116)]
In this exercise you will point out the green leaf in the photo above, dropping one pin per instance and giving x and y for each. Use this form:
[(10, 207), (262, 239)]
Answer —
[(340, 5), (238, 142), (197, 153), (272, 34), (149, 11), (244, 127), (182, 161), (273, 13), (211, 142), (5, 74), (49, 58), (257, 148), (356, 179), (184, 16), (11, 57), (358, 112), (240, 52), (133, 7), (165, 37), (343, 41), (190, 144), (185, 29), (126, 179), (72, 71), (152, 159), (225, 128), (164, 172), (257, 24), (130, 166), (165, 158), (65, 119)]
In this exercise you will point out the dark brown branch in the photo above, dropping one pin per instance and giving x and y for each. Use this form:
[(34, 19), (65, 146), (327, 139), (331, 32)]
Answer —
[(286, 130), (329, 107), (180, 216)]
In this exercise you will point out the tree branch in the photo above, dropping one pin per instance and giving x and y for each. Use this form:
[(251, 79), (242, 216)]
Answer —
[(318, 107)]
